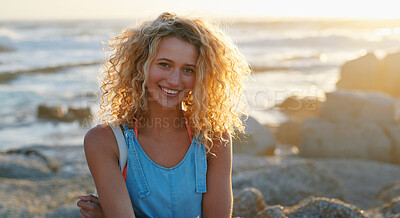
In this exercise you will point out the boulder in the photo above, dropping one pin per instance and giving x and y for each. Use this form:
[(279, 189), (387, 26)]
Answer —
[(287, 181), (391, 209), (247, 163), (299, 108), (314, 207), (323, 207), (357, 180), (321, 138), (389, 192), (248, 202), (56, 113), (50, 112), (6, 48), (76, 114), (22, 167), (353, 106), (289, 133), (275, 211), (390, 74), (258, 139), (362, 179), (393, 132), (360, 74)]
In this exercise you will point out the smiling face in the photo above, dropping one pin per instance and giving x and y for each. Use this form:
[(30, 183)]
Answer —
[(172, 73)]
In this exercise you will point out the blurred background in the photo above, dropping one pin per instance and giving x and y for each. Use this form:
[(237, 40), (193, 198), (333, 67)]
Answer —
[(325, 83), (50, 53)]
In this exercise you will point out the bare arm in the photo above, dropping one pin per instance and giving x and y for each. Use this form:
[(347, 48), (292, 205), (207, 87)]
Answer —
[(217, 201), (102, 156)]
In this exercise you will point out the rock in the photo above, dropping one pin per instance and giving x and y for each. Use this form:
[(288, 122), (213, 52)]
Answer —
[(248, 202), (390, 74), (366, 140), (258, 139), (314, 207), (300, 108), (27, 151), (275, 211), (76, 114), (21, 167), (369, 73), (286, 181), (362, 179), (353, 106), (28, 188), (360, 74), (247, 163), (389, 192), (6, 48), (391, 209), (289, 133), (56, 113), (50, 112), (393, 132), (323, 207)]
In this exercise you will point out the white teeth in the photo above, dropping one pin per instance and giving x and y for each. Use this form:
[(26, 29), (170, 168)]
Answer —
[(172, 92)]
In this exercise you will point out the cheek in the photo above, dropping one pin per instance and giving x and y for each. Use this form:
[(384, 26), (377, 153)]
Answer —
[(154, 76), (189, 83)]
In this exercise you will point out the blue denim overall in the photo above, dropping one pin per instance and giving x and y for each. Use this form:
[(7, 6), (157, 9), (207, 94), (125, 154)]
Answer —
[(157, 191)]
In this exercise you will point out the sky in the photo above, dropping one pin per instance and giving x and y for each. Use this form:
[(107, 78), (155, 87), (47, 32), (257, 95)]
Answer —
[(129, 9)]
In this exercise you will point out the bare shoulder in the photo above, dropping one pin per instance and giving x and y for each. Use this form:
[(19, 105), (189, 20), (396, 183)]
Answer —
[(101, 152), (222, 146), (100, 139), (217, 201)]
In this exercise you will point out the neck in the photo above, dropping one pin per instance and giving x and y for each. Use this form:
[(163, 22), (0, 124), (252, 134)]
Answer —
[(162, 120)]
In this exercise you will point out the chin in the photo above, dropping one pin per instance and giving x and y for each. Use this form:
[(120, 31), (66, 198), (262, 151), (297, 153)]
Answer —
[(170, 105)]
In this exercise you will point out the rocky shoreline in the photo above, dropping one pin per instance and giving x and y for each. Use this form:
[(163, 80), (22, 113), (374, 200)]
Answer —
[(289, 186), (341, 187), (342, 152), (336, 157), (30, 188)]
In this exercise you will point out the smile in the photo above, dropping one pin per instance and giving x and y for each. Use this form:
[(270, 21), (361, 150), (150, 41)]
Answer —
[(169, 91)]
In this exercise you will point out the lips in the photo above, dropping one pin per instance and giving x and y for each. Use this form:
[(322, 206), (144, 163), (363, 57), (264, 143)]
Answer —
[(169, 91)]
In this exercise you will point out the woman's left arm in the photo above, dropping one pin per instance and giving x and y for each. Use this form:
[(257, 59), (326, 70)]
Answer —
[(218, 200)]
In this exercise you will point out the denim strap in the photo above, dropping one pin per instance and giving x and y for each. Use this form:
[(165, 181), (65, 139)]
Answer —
[(201, 166), (135, 164)]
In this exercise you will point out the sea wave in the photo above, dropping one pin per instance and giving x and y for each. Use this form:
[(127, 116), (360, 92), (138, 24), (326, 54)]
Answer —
[(9, 33), (6, 76), (323, 41)]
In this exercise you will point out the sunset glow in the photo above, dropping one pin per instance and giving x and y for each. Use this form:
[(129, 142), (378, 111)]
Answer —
[(121, 9)]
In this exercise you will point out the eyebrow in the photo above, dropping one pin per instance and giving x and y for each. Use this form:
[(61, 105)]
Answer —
[(166, 59)]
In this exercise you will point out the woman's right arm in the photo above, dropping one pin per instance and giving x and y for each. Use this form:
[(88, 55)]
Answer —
[(101, 152)]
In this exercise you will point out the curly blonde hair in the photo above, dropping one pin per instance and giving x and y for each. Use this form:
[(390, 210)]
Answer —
[(216, 104)]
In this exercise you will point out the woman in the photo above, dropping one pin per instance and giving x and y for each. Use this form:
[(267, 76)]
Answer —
[(175, 87)]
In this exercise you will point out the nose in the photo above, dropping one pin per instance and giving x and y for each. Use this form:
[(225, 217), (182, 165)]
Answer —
[(174, 78)]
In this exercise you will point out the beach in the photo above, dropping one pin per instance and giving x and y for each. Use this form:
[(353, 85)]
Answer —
[(323, 102)]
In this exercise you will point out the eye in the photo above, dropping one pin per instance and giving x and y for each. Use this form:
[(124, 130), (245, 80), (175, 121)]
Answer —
[(188, 70), (164, 64)]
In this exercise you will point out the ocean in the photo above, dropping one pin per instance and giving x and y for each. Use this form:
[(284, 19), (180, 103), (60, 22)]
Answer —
[(57, 63)]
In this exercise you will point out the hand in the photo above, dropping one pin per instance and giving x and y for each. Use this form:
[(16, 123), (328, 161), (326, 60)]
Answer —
[(90, 206)]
